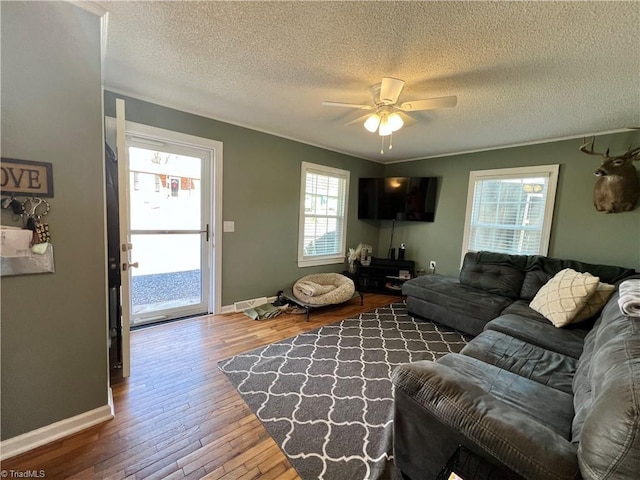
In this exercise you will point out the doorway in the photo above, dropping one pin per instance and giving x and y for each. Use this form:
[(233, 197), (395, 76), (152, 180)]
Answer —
[(173, 194), (169, 226)]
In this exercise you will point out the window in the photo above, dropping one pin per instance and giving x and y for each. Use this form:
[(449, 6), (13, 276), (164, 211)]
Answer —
[(323, 215), (510, 210)]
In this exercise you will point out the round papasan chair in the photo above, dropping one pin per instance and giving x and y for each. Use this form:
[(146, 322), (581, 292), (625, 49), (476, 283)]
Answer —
[(324, 289)]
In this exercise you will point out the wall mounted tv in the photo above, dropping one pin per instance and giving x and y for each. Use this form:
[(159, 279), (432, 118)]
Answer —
[(397, 198)]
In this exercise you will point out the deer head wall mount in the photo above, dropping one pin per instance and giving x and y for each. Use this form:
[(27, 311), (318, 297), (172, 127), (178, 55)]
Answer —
[(618, 187)]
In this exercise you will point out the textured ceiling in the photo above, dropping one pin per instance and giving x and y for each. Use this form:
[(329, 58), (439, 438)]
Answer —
[(522, 71)]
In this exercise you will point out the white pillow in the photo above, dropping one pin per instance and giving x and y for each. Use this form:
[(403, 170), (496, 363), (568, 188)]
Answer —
[(595, 303), (562, 297)]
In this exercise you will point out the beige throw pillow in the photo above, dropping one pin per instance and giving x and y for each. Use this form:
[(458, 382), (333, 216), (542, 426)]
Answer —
[(562, 297), (595, 303)]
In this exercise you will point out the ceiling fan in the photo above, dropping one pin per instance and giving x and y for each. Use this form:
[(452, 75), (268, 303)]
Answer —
[(389, 116)]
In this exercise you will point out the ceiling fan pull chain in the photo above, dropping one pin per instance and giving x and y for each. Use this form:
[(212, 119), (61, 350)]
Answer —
[(391, 141), (382, 147)]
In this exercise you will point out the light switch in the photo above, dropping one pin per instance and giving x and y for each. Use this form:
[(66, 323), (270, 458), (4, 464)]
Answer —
[(229, 226)]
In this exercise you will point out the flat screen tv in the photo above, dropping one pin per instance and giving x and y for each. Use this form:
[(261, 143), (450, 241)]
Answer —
[(397, 198)]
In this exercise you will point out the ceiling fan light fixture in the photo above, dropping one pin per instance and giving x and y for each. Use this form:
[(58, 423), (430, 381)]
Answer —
[(372, 123), (395, 122), (389, 123), (385, 126)]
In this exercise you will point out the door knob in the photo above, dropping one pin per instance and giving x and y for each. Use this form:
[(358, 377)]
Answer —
[(126, 266)]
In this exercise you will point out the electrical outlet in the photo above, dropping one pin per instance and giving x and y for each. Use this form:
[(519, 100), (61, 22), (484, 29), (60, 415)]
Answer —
[(432, 266)]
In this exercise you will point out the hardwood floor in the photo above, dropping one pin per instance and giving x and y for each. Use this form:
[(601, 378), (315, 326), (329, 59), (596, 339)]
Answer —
[(177, 416)]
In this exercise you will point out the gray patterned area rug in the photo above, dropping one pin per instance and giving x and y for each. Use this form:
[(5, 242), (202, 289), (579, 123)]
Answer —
[(326, 396)]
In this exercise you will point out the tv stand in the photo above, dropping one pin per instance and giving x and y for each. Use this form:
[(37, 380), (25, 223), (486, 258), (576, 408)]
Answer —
[(385, 276)]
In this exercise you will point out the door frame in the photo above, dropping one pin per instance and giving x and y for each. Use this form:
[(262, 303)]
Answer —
[(139, 130)]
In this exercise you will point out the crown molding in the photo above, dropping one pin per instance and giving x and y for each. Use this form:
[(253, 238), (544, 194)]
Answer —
[(516, 145), (90, 7)]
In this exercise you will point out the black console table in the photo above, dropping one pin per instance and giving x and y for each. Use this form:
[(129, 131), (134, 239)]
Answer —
[(384, 275)]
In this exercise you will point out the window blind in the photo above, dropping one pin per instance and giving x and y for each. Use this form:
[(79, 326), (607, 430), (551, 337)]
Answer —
[(323, 215), (324, 209), (508, 214)]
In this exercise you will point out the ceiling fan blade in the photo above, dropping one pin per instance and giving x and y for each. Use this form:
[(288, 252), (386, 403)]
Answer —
[(429, 104), (361, 119), (347, 105), (390, 90)]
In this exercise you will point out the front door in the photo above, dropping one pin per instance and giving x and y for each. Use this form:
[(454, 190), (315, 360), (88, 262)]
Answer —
[(169, 224)]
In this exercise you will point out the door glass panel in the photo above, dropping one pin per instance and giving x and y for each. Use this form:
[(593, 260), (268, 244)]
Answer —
[(168, 275), (165, 190)]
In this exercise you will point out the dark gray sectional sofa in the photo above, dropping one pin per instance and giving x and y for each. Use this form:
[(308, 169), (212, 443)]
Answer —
[(490, 285), (529, 399)]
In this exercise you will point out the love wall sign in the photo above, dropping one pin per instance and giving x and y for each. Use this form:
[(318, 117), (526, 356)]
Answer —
[(24, 177)]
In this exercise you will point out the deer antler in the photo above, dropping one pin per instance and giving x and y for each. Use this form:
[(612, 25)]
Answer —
[(589, 151), (632, 154)]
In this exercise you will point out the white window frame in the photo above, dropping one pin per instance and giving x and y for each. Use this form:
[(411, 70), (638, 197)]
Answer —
[(548, 171), (338, 257)]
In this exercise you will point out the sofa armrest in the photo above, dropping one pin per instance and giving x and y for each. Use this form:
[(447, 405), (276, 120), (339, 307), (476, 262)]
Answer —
[(505, 433)]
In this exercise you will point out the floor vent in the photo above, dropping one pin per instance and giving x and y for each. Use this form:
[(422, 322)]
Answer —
[(244, 304)]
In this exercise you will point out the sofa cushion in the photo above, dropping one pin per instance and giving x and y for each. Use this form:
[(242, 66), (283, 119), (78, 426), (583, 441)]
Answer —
[(447, 293), (525, 359), (539, 269), (478, 403), (562, 297), (533, 281), (544, 405), (595, 302), (502, 280), (522, 308), (567, 341), (444, 316), (582, 389), (607, 397)]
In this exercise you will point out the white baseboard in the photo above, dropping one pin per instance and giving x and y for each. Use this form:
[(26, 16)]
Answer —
[(242, 305), (50, 433), (232, 308), (227, 309)]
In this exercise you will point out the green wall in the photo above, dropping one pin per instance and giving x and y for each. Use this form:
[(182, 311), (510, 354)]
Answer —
[(262, 187), (54, 325), (578, 232), (261, 194)]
